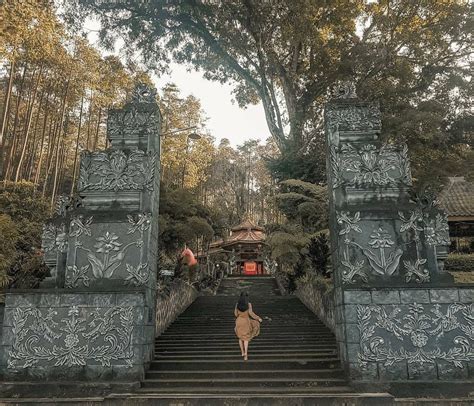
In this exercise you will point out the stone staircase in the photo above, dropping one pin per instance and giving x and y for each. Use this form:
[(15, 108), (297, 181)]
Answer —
[(295, 358)]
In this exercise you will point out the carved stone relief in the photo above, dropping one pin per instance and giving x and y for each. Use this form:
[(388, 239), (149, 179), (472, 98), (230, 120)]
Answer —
[(369, 165), (102, 254), (143, 93), (354, 118), (54, 239), (383, 256), (114, 170), (412, 333), (41, 338), (344, 90)]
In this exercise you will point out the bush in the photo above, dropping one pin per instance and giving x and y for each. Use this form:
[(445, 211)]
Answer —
[(323, 284), (8, 254), (28, 212), (319, 253), (460, 263)]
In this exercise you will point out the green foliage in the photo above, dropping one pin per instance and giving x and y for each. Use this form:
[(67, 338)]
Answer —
[(323, 284), (287, 244), (308, 166), (319, 254), (182, 221), (460, 263), (10, 236), (28, 212), (413, 56), (303, 203)]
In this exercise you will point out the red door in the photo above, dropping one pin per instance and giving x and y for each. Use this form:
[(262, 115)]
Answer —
[(250, 268)]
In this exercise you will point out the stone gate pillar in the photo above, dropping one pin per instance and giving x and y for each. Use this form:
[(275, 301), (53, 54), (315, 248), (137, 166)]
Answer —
[(399, 316), (94, 318)]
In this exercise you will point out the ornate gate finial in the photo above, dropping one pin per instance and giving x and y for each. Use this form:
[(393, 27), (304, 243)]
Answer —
[(344, 90), (143, 93)]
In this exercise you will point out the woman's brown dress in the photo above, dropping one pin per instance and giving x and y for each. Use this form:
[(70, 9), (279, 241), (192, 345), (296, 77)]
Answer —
[(245, 327)]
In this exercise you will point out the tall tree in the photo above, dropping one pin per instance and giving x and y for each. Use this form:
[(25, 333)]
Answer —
[(288, 53)]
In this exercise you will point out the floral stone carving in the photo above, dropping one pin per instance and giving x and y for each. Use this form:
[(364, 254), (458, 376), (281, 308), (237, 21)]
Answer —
[(54, 239), (354, 118), (381, 256), (369, 165), (391, 334), (103, 335), (106, 253), (114, 170)]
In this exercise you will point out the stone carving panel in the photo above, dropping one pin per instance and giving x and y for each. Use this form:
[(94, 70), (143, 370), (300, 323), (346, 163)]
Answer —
[(108, 251), (418, 334), (132, 124), (80, 336), (353, 117), (115, 170), (370, 248), (369, 165)]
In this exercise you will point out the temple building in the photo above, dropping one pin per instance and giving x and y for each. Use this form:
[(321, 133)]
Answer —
[(457, 200), (242, 252)]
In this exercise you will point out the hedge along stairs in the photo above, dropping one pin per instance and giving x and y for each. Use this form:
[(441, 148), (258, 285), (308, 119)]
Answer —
[(293, 361)]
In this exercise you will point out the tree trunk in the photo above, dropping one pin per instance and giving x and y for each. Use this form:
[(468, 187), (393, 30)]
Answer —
[(96, 137), (60, 140), (34, 147), (6, 110), (15, 124), (74, 170), (28, 126), (91, 102), (40, 160)]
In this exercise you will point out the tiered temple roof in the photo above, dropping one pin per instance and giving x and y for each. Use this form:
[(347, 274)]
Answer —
[(244, 233)]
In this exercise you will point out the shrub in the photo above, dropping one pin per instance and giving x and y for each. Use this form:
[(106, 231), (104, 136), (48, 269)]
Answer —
[(10, 237), (323, 284), (27, 211), (319, 253), (460, 263)]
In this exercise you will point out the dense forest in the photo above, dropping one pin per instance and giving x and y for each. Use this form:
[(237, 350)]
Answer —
[(56, 88)]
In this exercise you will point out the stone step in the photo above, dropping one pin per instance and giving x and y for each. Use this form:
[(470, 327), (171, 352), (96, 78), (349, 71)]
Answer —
[(236, 355), (265, 382), (254, 389), (250, 365), (261, 399), (231, 346), (230, 373), (236, 351)]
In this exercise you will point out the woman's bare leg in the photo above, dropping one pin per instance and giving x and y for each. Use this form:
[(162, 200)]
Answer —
[(246, 347), (241, 344)]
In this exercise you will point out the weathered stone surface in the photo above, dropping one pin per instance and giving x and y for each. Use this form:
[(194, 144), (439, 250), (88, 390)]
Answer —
[(368, 373), (396, 323), (352, 333), (70, 334), (350, 313), (417, 334), (103, 251), (168, 307), (444, 295), (447, 371), (357, 297), (424, 372), (394, 372), (466, 295), (319, 302), (386, 296), (414, 296)]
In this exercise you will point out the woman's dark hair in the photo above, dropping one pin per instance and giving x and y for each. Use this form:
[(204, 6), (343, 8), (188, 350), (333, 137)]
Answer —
[(243, 303)]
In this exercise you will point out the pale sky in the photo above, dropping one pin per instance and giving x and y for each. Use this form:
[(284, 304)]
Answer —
[(226, 119)]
